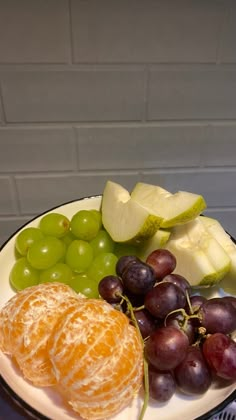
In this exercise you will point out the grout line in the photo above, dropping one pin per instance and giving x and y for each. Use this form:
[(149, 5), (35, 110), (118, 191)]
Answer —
[(2, 109), (76, 145), (16, 194), (71, 38), (119, 65), (123, 123), (126, 170), (221, 32), (146, 90)]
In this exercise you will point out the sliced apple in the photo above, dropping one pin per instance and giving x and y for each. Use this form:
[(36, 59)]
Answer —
[(124, 219), (200, 257), (174, 209), (228, 283), (158, 240)]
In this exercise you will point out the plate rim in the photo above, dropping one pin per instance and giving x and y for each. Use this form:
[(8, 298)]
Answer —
[(39, 416), (34, 412)]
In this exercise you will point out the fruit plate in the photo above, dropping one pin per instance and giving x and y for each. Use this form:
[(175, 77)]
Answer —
[(47, 404)]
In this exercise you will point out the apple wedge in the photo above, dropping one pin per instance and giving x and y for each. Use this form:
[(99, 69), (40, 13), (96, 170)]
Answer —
[(158, 240), (228, 283), (200, 257), (174, 209), (124, 219)]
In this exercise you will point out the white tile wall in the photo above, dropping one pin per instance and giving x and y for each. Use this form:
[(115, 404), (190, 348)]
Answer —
[(34, 31), (227, 50), (41, 149), (205, 92), (146, 31), (8, 196), (39, 192), (139, 146), (76, 95), (139, 90)]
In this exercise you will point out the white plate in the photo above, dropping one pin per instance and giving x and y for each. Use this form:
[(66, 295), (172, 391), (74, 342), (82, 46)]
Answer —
[(47, 403)]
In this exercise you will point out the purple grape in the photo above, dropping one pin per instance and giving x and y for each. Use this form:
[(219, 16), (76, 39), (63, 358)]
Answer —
[(218, 315), (230, 299), (161, 385), (164, 298), (111, 288), (196, 301), (145, 322), (138, 278), (136, 300), (178, 320), (124, 262), (178, 280), (166, 348), (220, 353), (162, 261), (193, 375)]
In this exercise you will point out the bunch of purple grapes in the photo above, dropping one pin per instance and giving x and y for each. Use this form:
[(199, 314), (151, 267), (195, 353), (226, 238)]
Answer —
[(187, 338)]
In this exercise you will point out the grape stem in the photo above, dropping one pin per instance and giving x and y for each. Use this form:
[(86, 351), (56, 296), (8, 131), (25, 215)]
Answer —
[(189, 302), (145, 363), (138, 308), (185, 316)]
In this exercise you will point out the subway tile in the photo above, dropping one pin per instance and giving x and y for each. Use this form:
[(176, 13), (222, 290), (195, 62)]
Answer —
[(39, 193), (217, 187), (192, 94), (9, 226), (135, 146), (32, 149), (227, 52), (8, 204), (34, 31), (219, 148), (79, 95), (146, 31)]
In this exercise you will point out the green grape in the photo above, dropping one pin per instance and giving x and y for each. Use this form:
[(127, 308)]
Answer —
[(85, 285), (79, 255), (59, 272), (84, 225), (125, 249), (102, 265), (98, 216), (22, 275), (102, 243), (46, 252), (54, 224), (68, 238), (26, 238)]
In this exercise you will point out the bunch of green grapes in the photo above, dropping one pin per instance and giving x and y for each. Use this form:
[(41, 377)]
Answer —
[(78, 252)]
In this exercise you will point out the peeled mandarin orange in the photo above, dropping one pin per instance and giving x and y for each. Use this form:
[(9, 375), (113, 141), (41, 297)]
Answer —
[(26, 322), (97, 357)]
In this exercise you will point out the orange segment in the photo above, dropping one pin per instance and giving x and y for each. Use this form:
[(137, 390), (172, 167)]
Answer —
[(26, 323), (97, 358)]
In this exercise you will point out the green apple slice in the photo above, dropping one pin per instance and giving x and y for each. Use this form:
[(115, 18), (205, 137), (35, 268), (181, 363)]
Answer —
[(158, 240), (200, 257), (124, 219), (228, 283), (177, 208)]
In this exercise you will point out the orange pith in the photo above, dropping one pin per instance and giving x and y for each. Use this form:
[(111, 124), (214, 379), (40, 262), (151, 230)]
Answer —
[(97, 358), (26, 322)]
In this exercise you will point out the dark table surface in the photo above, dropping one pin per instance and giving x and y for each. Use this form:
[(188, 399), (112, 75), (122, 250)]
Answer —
[(9, 410)]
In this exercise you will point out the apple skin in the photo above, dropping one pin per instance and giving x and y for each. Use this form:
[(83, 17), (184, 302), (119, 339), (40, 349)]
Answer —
[(178, 208), (125, 220)]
